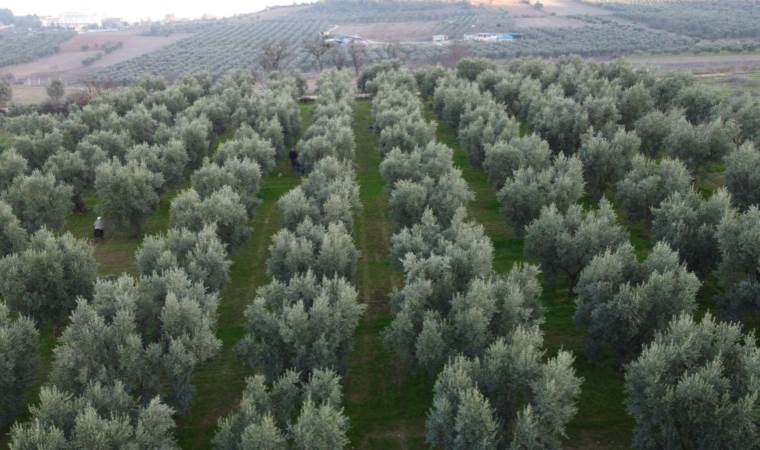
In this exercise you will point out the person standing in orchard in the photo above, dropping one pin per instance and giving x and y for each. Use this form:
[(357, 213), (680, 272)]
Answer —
[(99, 228)]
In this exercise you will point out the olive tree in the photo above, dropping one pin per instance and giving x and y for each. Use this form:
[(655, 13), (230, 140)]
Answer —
[(443, 195), (739, 242), (707, 363), (407, 134), (622, 302), (6, 93), (564, 243), (295, 410), (433, 160), (329, 193), (328, 313), (654, 128), (303, 323), (12, 164), (688, 223), (529, 189), (428, 330), (470, 68), (127, 192), (169, 159), (18, 352), (222, 208), (328, 251), (742, 176), (13, 236), (648, 183), (150, 335), (242, 175), (605, 161), (247, 144), (511, 397), (44, 280), (697, 145), (38, 200), (484, 124), (503, 158), (200, 254), (70, 169), (103, 416), (561, 121)]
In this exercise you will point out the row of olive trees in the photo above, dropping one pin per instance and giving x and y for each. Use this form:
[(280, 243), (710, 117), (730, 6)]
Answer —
[(622, 303), (134, 339), (300, 326), (454, 316)]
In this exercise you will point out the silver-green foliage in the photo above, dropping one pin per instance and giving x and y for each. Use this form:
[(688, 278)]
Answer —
[(149, 334), (18, 353), (13, 236), (443, 195), (503, 158), (510, 397), (222, 208), (432, 159), (484, 124), (328, 251), (12, 164), (428, 331), (742, 176), (289, 413), (127, 192), (329, 194), (39, 200), (695, 386), (689, 223), (564, 243), (648, 183), (530, 189), (200, 254), (303, 323), (622, 302), (738, 237), (606, 161), (103, 416), (169, 159), (44, 280), (242, 175)]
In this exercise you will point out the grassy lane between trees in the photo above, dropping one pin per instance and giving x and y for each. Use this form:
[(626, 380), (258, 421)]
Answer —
[(385, 402), (601, 421), (219, 383)]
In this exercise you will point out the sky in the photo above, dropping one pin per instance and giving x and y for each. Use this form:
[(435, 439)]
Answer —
[(133, 10)]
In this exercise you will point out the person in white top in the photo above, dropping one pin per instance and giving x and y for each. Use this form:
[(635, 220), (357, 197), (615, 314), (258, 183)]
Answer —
[(99, 229)]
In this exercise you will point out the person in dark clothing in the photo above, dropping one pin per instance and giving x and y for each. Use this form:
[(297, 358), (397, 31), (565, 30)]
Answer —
[(294, 161)]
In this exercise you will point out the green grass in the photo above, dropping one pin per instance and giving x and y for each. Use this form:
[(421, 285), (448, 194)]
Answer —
[(386, 402), (219, 383), (601, 421)]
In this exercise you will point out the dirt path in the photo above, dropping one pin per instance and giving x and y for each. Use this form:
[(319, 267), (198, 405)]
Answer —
[(385, 402)]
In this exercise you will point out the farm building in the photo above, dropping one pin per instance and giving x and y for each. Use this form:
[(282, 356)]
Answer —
[(440, 38), (492, 37)]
